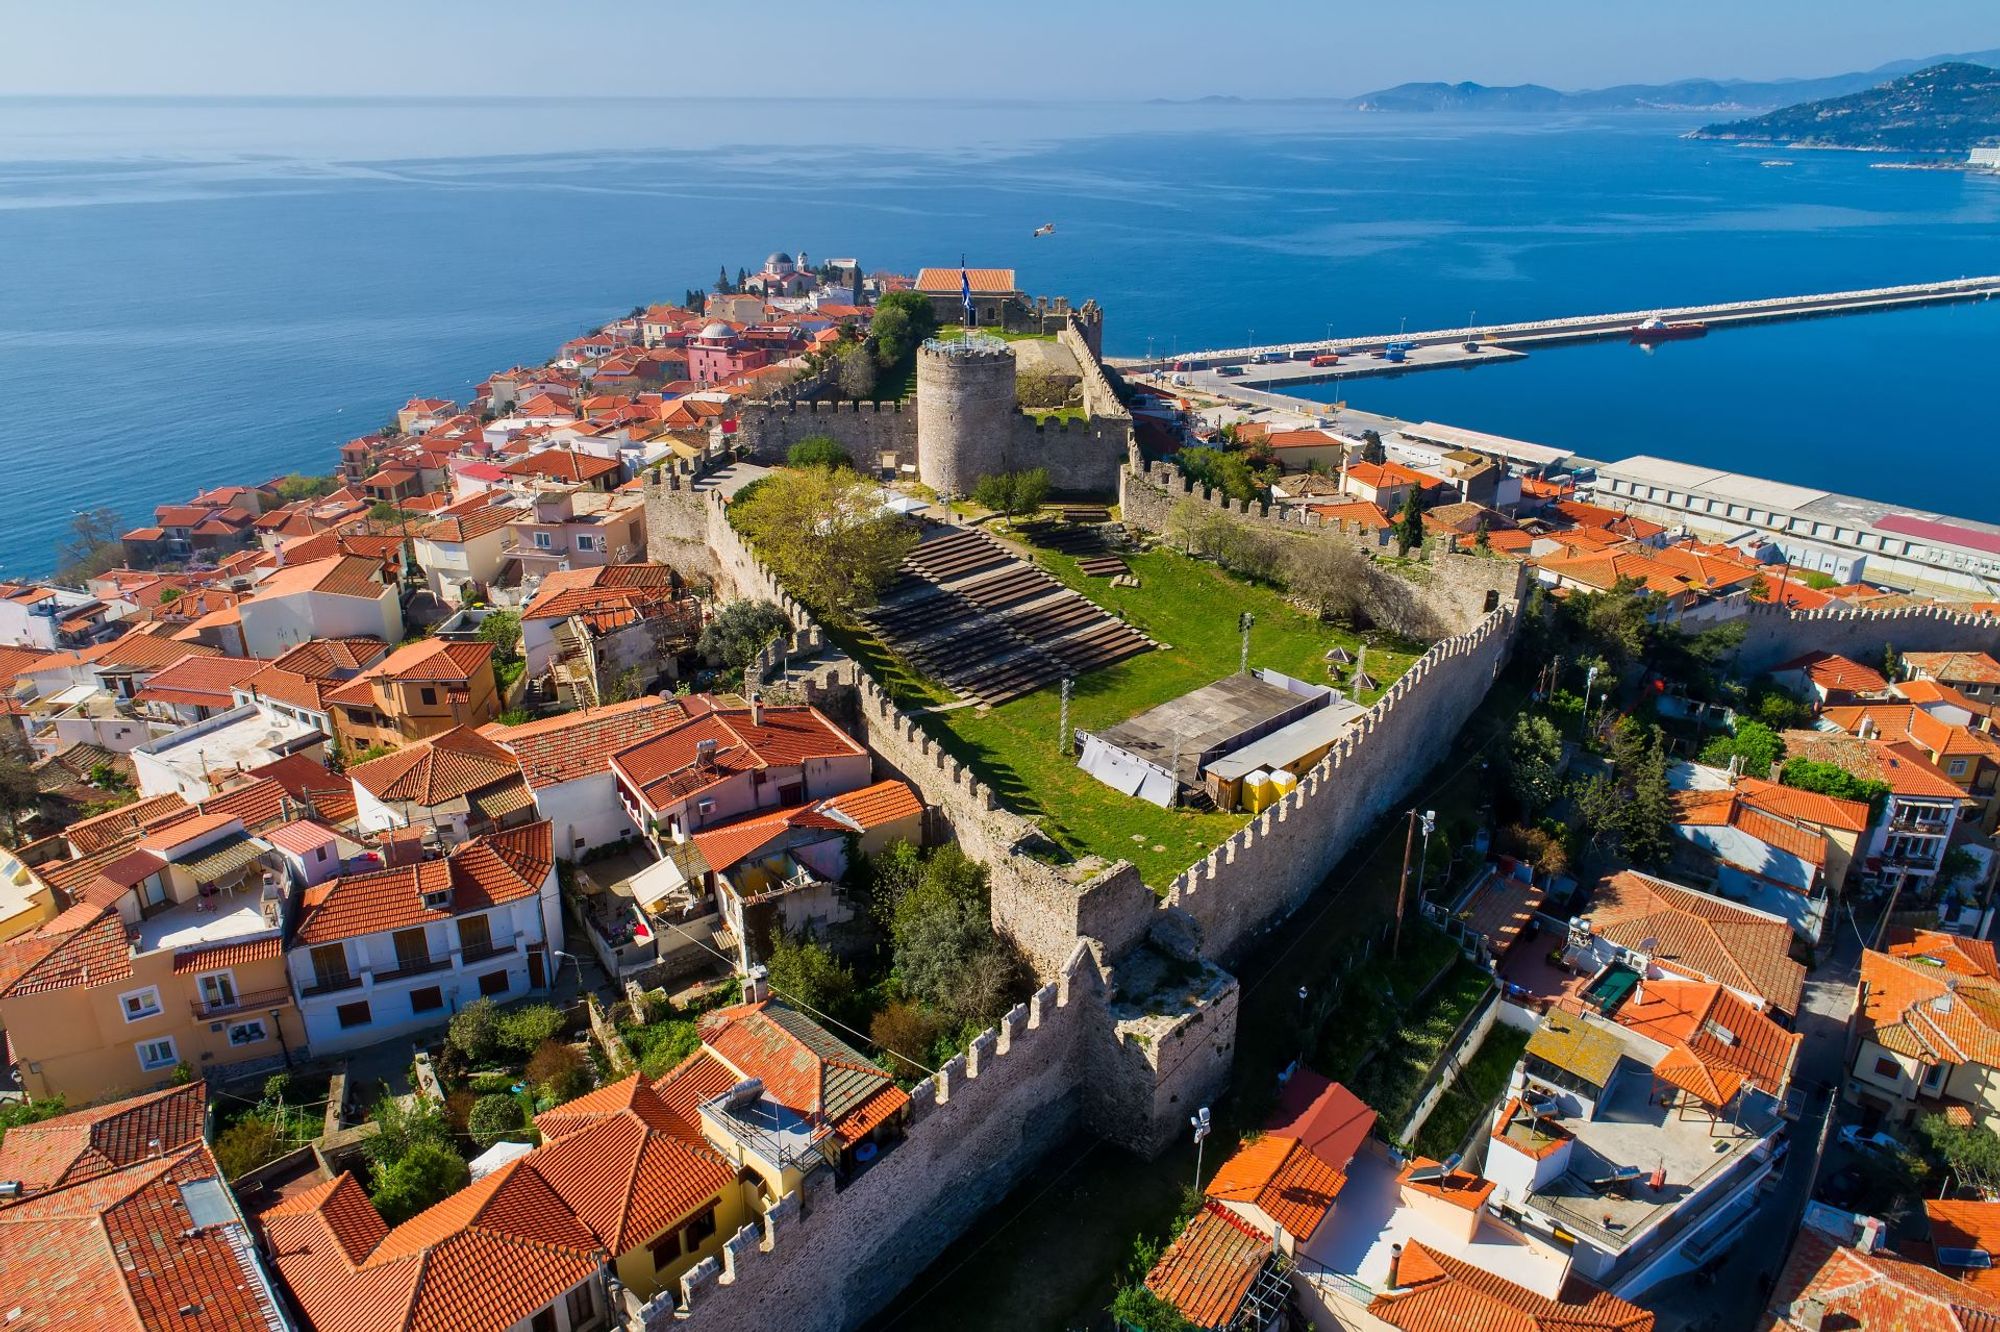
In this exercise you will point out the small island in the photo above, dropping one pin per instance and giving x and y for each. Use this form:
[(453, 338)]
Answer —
[(1945, 108)]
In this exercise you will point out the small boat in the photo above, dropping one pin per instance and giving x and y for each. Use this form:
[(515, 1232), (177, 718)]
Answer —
[(1776, 162), (1046, 229), (1658, 329)]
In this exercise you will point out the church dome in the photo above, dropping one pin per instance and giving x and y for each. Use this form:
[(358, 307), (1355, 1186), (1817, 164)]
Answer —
[(778, 263), (718, 332)]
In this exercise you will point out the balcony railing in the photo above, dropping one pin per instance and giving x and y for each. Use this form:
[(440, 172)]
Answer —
[(331, 985), (1934, 827), (414, 967), (489, 950), (251, 1001)]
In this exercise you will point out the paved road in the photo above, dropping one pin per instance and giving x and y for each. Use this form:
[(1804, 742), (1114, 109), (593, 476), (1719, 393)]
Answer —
[(1741, 1286)]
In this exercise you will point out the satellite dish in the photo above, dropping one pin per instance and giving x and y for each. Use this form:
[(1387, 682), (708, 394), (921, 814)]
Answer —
[(1649, 944)]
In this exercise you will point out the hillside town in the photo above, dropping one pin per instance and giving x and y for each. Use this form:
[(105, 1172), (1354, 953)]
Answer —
[(691, 834)]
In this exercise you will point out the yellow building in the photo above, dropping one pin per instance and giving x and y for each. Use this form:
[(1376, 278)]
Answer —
[(419, 690), (171, 956), (25, 901)]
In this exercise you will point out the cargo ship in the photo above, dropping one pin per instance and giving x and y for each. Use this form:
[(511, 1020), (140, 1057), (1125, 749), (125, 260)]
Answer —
[(1657, 329)]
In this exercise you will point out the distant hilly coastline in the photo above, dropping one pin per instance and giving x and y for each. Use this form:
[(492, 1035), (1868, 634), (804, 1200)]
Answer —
[(1949, 107), (1712, 95)]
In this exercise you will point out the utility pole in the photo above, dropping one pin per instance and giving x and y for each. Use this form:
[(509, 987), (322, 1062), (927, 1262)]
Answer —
[(1062, 730), (1403, 885), (1243, 622)]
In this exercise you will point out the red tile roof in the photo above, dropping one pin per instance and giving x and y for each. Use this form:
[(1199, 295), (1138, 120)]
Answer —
[(227, 955), (480, 874), (574, 745), (1905, 769), (83, 947), (1725, 809), (564, 465), (1789, 802), (200, 681), (948, 282), (1928, 1011), (1281, 1178), (446, 767), (1701, 935), (1209, 1269), (1721, 1042), (664, 768), (470, 526), (875, 806), (1835, 674), (1953, 952), (609, 596), (1954, 667), (1872, 1291), (804, 1068), (83, 1144), (1435, 1292)]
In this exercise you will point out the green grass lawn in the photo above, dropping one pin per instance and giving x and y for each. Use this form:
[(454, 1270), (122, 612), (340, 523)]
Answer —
[(1479, 1084), (957, 332), (1189, 606)]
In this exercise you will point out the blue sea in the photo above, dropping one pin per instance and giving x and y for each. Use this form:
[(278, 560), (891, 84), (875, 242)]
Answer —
[(194, 292)]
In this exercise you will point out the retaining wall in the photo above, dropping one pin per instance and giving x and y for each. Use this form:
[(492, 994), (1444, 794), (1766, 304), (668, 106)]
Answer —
[(1774, 635), (867, 430), (821, 1260)]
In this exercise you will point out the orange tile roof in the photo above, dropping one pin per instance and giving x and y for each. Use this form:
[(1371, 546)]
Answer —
[(874, 806), (1958, 1223), (227, 955), (1902, 767), (804, 1068), (336, 575), (663, 768), (1789, 802), (1835, 673), (1954, 952), (83, 1144), (1365, 512), (1607, 520), (1704, 935), (684, 1087), (1875, 1291), (488, 1256), (330, 794), (1209, 1269), (1435, 1292), (1953, 667), (564, 465), (1460, 1188), (85, 946), (1500, 909), (426, 661), (1937, 737), (1724, 809), (119, 826), (724, 845), (446, 767), (948, 282), (574, 745), (199, 680), (1281, 1178), (480, 874), (609, 596), (1322, 1116), (1726, 1041), (470, 526), (1929, 1012)]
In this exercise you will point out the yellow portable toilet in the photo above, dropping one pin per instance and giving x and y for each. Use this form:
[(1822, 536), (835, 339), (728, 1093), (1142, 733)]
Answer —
[(1283, 783), (1258, 791)]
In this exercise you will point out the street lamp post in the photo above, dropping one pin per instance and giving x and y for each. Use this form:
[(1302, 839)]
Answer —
[(1424, 865), (1202, 1125), (1589, 683)]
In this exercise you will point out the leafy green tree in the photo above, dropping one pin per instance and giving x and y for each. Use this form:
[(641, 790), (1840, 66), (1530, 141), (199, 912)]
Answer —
[(1777, 709), (1892, 662), (405, 1123), (1224, 470), (819, 451), (247, 1144), (428, 1174), (740, 631), (1371, 448), (1013, 494), (806, 971), (946, 953), (1136, 1306), (1410, 522), (503, 630), (1534, 753), (886, 877), (826, 536), (902, 320), (855, 370), (1648, 821), (1971, 1153), (521, 1031), (475, 1031), (15, 1114), (494, 1118), (1756, 745), (1831, 779)]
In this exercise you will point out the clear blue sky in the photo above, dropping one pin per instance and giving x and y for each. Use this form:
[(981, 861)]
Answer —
[(951, 47)]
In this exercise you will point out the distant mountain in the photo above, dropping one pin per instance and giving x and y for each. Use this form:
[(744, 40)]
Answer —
[(1945, 108), (1682, 95)]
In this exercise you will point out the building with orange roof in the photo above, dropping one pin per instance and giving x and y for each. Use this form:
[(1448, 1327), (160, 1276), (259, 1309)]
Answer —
[(1715, 1046), (1973, 674), (995, 294), (1827, 678), (1965, 1234), (170, 954), (1927, 1033), (388, 951), (1435, 1292), (341, 596), (566, 760), (124, 1222), (1754, 856), (466, 547), (1683, 934), (1854, 1281), (1222, 1274), (457, 783), (419, 690), (1908, 840), (194, 688), (1618, 523), (575, 528), (1386, 485), (1959, 743)]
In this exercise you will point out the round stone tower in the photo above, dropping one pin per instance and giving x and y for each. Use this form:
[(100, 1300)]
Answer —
[(965, 411)]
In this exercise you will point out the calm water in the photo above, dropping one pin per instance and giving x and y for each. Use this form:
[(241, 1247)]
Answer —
[(199, 292)]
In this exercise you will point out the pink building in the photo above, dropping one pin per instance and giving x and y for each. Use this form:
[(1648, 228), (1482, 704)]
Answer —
[(718, 353)]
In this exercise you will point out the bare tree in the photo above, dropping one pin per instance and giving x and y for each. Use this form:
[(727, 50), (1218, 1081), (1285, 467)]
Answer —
[(857, 372), (1328, 575)]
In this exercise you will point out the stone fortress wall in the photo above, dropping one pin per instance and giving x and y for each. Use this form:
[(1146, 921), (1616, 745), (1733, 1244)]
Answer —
[(1774, 635)]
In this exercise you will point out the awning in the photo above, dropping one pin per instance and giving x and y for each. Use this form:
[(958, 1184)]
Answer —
[(224, 857)]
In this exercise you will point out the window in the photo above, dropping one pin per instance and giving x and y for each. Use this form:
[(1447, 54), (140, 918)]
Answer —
[(475, 935), (1934, 1078), (330, 964), (248, 1033), (354, 1015), (1956, 768), (1885, 1067), (583, 1304), (427, 1000), (542, 541), (699, 1229), (158, 1054), (152, 895), (319, 854), (218, 989), (585, 541), (413, 950), (544, 1321), (140, 1004), (429, 696), (666, 1250), (493, 983)]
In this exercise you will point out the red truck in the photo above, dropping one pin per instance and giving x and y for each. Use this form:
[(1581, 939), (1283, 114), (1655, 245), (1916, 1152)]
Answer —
[(1327, 358)]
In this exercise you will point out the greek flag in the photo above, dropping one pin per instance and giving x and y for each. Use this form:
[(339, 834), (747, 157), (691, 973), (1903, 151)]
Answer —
[(965, 290)]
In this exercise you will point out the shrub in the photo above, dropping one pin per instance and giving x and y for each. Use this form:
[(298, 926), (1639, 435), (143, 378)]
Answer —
[(277, 1087), (485, 1084), (904, 1028), (428, 1174), (14, 1114), (247, 1144), (404, 1126), (558, 1071), (818, 451), (493, 1118), (523, 1030), (806, 972), (740, 631), (662, 1045), (475, 1031)]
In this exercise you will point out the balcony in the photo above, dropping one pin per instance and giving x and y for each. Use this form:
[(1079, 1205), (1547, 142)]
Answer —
[(480, 954), (330, 985), (250, 1001), (1925, 827), (406, 968)]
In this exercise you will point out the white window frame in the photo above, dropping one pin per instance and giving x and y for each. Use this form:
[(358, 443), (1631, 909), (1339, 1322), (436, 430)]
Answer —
[(543, 541), (263, 1032), (228, 974), (585, 541), (125, 1003), (150, 1066)]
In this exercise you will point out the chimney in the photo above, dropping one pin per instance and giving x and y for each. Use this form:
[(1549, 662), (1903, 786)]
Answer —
[(1808, 1313), (757, 708), (757, 985), (1874, 1235), (1395, 1262), (1867, 728)]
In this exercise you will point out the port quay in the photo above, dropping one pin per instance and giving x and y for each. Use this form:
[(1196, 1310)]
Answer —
[(1279, 364)]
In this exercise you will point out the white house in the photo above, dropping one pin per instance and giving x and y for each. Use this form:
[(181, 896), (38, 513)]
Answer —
[(197, 761), (567, 762), (464, 548), (342, 596), (381, 954)]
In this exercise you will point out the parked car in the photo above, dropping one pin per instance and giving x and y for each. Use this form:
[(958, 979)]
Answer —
[(1868, 1142)]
